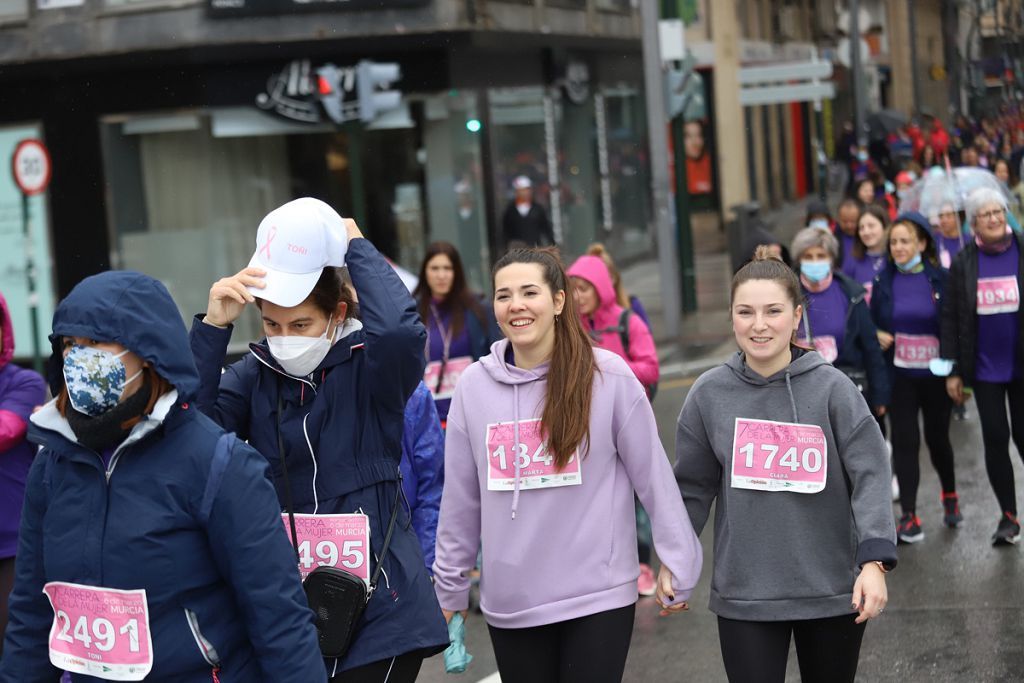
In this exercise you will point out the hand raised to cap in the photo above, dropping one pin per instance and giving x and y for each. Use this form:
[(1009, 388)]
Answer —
[(229, 295), (352, 229)]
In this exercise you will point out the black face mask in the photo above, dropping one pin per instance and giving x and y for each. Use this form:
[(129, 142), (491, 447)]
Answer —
[(105, 431)]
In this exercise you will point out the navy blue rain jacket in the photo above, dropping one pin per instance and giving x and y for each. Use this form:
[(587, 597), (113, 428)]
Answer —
[(860, 343), (882, 300), (423, 467), (342, 432), (213, 559)]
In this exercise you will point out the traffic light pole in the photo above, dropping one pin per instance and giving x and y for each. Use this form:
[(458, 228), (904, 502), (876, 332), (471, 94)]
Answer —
[(355, 171), (684, 228), (657, 133), (30, 277)]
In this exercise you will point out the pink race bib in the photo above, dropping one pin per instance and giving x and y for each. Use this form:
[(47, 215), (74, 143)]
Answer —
[(915, 350), (453, 370), (341, 541), (998, 295), (536, 465), (100, 632), (779, 456), (868, 286)]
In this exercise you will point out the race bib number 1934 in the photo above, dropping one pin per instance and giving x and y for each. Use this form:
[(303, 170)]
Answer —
[(779, 456)]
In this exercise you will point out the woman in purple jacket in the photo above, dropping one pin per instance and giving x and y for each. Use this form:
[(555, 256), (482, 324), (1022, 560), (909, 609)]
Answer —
[(20, 391)]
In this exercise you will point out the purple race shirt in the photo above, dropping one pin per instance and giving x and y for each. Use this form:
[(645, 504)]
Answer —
[(914, 312), (460, 347), (997, 333), (848, 260), (826, 314), (948, 248), (863, 271)]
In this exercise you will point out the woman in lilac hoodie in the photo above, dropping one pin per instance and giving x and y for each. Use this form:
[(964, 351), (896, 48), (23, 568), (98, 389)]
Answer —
[(547, 440), (20, 391)]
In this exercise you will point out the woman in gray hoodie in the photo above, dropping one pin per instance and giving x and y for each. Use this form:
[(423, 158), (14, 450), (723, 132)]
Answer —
[(803, 524)]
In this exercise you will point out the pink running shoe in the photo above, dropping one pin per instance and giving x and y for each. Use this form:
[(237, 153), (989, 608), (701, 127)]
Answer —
[(645, 584)]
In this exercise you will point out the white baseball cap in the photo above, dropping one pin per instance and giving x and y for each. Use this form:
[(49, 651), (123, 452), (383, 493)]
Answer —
[(522, 183), (294, 243)]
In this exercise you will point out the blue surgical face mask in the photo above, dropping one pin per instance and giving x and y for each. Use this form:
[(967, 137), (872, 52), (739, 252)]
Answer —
[(820, 223), (862, 156), (95, 379), (815, 271), (911, 264)]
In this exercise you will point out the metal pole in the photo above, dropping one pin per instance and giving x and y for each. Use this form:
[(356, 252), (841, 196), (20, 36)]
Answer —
[(355, 171), (858, 74), (658, 140), (912, 27), (30, 278), (684, 228)]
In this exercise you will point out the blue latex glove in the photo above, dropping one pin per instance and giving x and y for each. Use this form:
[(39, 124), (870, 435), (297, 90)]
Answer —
[(456, 659)]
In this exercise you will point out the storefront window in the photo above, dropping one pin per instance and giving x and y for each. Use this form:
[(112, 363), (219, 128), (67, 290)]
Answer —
[(452, 132), (13, 10), (628, 173), (578, 173), (519, 138)]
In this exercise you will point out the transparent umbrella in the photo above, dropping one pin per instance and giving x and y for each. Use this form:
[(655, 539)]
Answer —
[(947, 189)]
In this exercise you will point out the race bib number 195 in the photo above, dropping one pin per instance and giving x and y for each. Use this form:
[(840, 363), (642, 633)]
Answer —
[(779, 456), (536, 465)]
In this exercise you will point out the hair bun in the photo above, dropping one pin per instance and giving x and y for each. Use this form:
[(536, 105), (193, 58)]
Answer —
[(764, 253)]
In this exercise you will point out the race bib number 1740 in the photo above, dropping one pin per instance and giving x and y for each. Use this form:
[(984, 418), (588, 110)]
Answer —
[(779, 456)]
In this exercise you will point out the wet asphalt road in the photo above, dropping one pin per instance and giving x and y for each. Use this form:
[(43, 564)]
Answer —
[(956, 603)]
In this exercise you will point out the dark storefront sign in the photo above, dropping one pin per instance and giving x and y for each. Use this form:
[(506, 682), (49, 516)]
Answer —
[(246, 8)]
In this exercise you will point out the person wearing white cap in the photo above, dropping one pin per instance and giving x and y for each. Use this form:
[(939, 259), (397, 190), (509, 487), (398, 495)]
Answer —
[(322, 397), (525, 222)]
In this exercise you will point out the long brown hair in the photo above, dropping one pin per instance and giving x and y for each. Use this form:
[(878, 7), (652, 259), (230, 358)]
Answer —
[(599, 250), (459, 298), (158, 386), (565, 421)]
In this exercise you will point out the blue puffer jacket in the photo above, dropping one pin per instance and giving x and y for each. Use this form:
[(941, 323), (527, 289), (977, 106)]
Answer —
[(342, 432), (423, 467), (211, 557)]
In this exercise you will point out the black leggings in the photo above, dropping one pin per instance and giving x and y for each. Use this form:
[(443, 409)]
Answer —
[(401, 669), (927, 395), (995, 432), (756, 651), (589, 649), (6, 584)]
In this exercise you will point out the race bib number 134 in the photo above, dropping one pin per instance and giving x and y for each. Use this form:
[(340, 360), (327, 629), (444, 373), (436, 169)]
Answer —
[(779, 456)]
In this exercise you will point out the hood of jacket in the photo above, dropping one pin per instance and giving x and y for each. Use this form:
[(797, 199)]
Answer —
[(136, 311), (803, 362), (507, 373), (593, 270), (7, 332)]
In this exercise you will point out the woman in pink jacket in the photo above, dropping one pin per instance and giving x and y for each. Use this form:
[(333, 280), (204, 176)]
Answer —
[(612, 327)]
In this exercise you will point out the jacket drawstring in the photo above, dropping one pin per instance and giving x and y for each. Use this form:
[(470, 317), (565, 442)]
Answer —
[(792, 399), (515, 447)]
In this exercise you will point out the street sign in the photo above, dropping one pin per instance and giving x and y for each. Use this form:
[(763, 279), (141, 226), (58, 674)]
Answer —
[(783, 73), (672, 39), (30, 165), (782, 94)]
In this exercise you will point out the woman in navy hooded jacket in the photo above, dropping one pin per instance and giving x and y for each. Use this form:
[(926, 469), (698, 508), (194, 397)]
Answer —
[(151, 544), (906, 307), (335, 389)]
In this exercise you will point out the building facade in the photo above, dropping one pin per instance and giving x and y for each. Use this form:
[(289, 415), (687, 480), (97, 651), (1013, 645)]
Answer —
[(174, 125)]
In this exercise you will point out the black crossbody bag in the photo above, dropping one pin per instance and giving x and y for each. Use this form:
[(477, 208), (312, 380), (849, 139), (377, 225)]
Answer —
[(337, 597)]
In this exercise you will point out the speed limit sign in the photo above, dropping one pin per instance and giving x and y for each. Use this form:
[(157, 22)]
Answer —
[(31, 166)]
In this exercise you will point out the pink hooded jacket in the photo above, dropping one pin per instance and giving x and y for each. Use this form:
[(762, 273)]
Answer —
[(602, 325)]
